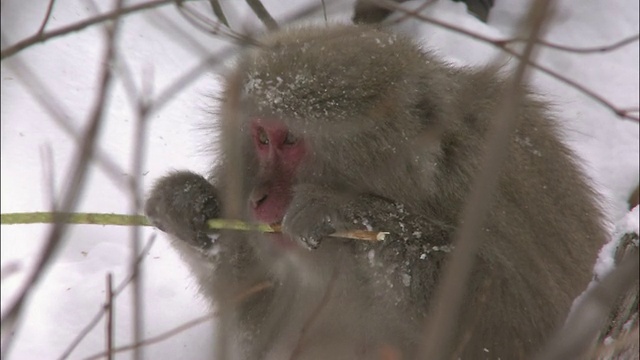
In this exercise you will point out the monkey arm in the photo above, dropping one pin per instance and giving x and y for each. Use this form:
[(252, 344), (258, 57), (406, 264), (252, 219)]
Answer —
[(180, 204)]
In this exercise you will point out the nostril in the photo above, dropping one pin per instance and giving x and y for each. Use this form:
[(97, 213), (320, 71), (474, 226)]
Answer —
[(258, 199)]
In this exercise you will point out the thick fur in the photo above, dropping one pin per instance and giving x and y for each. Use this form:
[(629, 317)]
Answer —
[(395, 136)]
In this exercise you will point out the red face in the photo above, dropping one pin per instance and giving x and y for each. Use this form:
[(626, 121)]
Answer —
[(279, 153)]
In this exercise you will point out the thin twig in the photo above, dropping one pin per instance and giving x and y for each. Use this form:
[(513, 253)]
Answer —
[(47, 16), (210, 62), (53, 105), (576, 49), (204, 24), (76, 183), (413, 13), (324, 11), (98, 316), (262, 14), (181, 36), (218, 12), (43, 37), (591, 94), (109, 323), (186, 326)]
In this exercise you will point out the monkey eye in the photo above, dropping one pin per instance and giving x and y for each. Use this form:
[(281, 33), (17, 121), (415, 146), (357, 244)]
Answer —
[(290, 139), (262, 137)]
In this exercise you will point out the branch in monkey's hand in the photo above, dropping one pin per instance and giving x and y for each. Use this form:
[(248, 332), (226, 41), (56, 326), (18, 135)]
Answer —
[(276, 228), (141, 220)]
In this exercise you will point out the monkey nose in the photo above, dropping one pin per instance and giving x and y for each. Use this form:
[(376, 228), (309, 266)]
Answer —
[(257, 198)]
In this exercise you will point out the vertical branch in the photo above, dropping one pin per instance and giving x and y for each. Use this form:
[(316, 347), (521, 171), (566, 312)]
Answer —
[(75, 184), (109, 313), (326, 297), (231, 143), (324, 11), (137, 163), (443, 313), (94, 321)]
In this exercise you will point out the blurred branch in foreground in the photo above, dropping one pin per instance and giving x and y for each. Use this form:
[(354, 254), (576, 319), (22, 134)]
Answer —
[(141, 220)]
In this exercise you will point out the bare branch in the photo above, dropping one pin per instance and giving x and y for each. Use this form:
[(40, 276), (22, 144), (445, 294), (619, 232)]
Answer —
[(98, 316), (76, 183), (443, 313), (217, 11), (186, 326), (574, 49), (47, 16), (42, 37), (620, 112), (53, 106), (262, 14), (109, 310)]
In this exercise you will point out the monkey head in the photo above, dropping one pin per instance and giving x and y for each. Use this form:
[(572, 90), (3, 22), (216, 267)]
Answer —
[(313, 110)]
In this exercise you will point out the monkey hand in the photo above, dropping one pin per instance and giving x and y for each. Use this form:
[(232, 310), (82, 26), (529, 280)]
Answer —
[(180, 204), (312, 215)]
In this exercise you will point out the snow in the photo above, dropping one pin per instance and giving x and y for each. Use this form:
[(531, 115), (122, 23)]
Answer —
[(73, 289), (629, 224)]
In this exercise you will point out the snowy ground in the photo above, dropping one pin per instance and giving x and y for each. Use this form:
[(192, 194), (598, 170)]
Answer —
[(74, 287)]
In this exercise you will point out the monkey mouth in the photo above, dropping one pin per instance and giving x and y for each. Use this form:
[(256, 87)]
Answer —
[(270, 209)]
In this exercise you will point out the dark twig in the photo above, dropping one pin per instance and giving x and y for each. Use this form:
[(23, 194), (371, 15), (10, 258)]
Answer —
[(575, 49), (53, 106), (622, 113), (47, 16), (76, 183), (186, 326), (43, 37), (204, 24), (96, 318), (413, 13), (262, 14), (178, 33), (109, 323), (217, 11), (324, 11)]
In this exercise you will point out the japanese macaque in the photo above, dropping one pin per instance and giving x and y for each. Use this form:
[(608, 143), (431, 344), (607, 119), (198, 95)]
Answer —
[(345, 128)]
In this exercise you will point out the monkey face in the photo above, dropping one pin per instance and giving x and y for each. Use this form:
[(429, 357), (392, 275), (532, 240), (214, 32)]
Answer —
[(279, 153)]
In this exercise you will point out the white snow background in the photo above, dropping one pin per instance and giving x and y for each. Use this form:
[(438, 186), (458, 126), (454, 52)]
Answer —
[(73, 289)]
